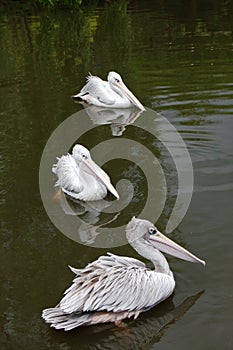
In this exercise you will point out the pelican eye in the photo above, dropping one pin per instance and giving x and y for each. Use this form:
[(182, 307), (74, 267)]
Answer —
[(117, 80), (152, 231), (84, 156)]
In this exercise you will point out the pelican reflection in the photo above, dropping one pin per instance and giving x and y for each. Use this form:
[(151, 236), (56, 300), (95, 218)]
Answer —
[(118, 118)]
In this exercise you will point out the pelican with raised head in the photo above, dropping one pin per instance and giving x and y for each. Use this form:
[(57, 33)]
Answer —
[(80, 177), (112, 93), (113, 287)]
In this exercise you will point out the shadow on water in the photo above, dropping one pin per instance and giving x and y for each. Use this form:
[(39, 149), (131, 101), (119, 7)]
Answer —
[(132, 334), (117, 118)]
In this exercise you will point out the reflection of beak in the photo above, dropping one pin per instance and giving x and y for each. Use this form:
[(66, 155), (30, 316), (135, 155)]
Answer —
[(130, 95), (93, 169), (166, 245)]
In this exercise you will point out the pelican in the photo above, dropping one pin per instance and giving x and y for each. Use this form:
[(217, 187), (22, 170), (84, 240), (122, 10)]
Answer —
[(80, 177), (112, 93), (113, 287)]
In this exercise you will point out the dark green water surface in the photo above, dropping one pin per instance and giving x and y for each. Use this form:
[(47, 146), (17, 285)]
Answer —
[(177, 57)]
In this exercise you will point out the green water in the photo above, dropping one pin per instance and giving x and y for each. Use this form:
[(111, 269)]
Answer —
[(178, 59)]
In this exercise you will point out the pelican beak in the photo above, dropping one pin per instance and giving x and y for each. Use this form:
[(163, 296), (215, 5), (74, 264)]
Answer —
[(93, 169), (133, 99), (166, 245)]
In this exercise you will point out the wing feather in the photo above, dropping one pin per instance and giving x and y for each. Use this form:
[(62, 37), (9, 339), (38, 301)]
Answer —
[(68, 174), (115, 283), (98, 89)]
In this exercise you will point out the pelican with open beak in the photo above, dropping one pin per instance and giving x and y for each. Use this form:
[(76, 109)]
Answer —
[(80, 177), (112, 93)]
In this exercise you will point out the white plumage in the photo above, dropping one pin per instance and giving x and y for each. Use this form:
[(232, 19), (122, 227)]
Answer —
[(112, 93), (115, 287), (110, 279), (80, 177)]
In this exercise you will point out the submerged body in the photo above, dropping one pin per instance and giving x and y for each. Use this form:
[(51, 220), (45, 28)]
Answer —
[(80, 177), (112, 93), (113, 287)]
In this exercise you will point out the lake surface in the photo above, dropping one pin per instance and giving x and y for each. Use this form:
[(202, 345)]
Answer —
[(178, 60)]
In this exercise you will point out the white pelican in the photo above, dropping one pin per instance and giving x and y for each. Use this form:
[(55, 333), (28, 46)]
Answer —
[(80, 177), (112, 93), (113, 287)]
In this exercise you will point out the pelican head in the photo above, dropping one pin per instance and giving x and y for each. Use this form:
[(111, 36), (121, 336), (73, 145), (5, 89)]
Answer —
[(117, 84), (114, 77), (83, 158), (145, 232), (80, 153)]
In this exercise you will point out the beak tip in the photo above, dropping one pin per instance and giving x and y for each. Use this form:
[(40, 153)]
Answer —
[(203, 262), (199, 261)]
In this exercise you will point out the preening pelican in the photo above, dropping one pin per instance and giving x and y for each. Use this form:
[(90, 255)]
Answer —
[(112, 93), (113, 287), (80, 177)]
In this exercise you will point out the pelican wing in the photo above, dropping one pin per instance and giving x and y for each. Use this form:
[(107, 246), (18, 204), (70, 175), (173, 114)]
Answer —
[(99, 90), (114, 283), (68, 174)]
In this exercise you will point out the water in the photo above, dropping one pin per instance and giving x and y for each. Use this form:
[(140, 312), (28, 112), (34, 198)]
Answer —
[(178, 59)]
